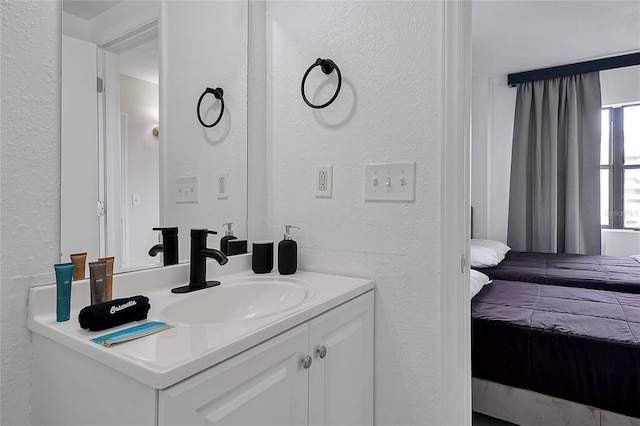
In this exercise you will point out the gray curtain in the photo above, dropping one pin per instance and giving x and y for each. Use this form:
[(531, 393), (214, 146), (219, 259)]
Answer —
[(554, 198)]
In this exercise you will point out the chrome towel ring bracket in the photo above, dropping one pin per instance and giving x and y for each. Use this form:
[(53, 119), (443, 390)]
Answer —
[(217, 93), (327, 66)]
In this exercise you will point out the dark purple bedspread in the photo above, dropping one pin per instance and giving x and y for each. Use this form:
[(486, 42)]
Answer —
[(571, 270), (577, 344)]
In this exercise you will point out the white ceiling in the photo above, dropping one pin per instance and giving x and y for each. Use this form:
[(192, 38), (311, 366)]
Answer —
[(141, 62), (87, 9), (513, 36), (508, 36)]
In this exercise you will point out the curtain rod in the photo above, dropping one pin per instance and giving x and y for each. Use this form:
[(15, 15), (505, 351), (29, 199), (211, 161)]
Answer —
[(573, 69)]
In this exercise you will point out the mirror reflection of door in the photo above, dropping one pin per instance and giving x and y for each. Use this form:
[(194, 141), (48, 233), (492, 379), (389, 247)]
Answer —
[(110, 151)]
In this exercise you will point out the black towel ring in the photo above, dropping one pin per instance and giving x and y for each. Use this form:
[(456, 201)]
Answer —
[(327, 66), (217, 92)]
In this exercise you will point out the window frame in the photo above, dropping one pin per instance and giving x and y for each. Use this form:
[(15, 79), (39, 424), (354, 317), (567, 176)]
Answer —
[(609, 167), (617, 167)]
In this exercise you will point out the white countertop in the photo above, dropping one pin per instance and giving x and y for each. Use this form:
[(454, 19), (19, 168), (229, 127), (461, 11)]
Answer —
[(165, 358)]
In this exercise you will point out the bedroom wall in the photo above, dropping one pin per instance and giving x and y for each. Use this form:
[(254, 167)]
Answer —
[(492, 112), (493, 107), (620, 86), (620, 242)]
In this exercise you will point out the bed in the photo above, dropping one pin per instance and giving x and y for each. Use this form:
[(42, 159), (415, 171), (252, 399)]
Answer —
[(564, 328), (572, 270), (576, 344)]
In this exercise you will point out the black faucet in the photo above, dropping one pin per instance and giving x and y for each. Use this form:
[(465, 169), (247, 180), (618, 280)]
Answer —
[(199, 254), (169, 246)]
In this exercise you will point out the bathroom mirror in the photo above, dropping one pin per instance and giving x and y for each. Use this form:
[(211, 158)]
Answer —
[(132, 145)]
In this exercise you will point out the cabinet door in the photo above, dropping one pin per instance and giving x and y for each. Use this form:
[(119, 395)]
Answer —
[(266, 385), (341, 382)]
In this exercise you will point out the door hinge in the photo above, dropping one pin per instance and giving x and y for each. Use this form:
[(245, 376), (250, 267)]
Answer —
[(463, 262), (100, 208), (100, 85)]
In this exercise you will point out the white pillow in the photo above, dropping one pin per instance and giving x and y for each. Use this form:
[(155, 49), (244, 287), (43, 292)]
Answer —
[(478, 280), (487, 253)]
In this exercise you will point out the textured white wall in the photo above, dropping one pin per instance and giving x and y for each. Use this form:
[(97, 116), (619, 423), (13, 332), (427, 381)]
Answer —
[(388, 110), (30, 188)]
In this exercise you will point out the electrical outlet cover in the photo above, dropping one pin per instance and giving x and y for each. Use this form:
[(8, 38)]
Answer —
[(222, 185), (324, 181)]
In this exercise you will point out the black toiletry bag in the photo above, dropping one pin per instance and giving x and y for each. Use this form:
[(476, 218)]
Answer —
[(114, 313)]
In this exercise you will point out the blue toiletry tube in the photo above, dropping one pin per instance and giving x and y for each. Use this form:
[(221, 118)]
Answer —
[(64, 275)]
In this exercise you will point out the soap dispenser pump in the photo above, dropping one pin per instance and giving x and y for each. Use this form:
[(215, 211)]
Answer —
[(224, 241), (288, 253)]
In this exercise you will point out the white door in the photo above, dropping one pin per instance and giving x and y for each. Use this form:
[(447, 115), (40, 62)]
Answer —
[(79, 133), (111, 157), (266, 385), (341, 377)]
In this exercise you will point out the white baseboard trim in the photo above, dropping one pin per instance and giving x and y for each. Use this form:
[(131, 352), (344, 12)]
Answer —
[(524, 407)]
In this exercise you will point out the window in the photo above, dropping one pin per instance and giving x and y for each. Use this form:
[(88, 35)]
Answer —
[(620, 167)]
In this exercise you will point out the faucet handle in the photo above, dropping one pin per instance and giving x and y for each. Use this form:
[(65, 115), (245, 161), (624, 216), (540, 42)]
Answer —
[(167, 230), (200, 231)]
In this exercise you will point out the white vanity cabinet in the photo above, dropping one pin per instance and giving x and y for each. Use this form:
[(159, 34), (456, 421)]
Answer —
[(311, 364), (341, 383), (318, 373)]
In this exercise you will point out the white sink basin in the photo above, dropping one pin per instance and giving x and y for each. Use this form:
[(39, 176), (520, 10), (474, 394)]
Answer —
[(238, 301)]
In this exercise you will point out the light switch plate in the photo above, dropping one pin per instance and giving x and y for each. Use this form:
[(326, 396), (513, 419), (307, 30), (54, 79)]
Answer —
[(390, 182), (186, 189), (222, 185)]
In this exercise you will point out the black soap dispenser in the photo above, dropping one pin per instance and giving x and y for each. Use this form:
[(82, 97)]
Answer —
[(288, 253), (228, 235)]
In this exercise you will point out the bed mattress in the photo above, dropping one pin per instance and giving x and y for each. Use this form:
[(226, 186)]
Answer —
[(572, 343), (571, 270)]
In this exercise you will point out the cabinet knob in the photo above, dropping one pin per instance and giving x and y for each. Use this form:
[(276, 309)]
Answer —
[(306, 362), (322, 351)]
